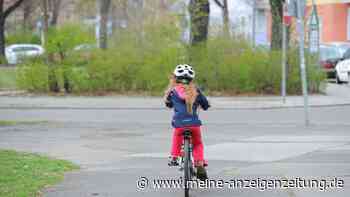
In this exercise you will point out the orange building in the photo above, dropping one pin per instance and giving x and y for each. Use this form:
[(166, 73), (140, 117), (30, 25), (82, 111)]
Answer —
[(334, 19)]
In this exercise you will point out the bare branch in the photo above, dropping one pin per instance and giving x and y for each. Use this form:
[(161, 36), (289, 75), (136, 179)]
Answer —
[(219, 4), (9, 10)]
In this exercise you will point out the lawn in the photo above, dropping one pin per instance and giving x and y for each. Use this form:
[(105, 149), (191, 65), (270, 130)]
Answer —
[(4, 123), (7, 78), (24, 174)]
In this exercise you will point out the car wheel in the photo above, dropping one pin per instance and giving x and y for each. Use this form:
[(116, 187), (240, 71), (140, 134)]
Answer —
[(337, 80)]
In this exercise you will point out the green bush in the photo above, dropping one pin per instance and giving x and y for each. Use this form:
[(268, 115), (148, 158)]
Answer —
[(63, 39), (315, 75), (78, 79), (33, 76), (23, 37), (142, 62), (7, 78)]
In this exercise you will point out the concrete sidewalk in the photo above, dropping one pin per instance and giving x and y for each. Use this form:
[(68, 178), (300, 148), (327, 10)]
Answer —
[(335, 95), (157, 103)]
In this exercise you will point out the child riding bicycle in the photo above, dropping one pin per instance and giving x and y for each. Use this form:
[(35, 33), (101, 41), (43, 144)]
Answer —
[(185, 98)]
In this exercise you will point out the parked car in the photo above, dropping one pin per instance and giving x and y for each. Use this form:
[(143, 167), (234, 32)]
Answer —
[(330, 55), (17, 52), (85, 47), (342, 69)]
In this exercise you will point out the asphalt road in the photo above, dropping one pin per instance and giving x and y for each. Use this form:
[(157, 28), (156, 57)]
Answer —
[(117, 147)]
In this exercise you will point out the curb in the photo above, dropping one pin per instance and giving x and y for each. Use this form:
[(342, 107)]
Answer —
[(165, 109)]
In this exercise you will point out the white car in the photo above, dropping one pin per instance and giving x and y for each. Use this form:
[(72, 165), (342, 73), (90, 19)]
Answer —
[(17, 52), (342, 68), (85, 47)]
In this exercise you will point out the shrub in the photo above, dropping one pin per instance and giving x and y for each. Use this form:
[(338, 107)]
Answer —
[(78, 79), (23, 37), (7, 78), (63, 39), (142, 62), (33, 76), (315, 75), (233, 66)]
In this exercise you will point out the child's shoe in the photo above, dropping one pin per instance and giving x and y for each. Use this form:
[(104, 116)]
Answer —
[(202, 173), (173, 161), (205, 164)]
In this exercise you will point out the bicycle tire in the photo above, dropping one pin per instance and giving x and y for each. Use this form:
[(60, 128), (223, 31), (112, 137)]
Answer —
[(187, 165)]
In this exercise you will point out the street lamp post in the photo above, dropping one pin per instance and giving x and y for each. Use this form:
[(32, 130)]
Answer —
[(300, 8), (286, 22), (296, 8)]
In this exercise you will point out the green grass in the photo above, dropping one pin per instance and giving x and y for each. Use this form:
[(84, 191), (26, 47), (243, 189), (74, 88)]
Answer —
[(13, 123), (24, 174), (7, 78)]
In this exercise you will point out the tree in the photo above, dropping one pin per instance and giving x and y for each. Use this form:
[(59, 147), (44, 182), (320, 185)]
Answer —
[(277, 14), (27, 10), (104, 6), (55, 8), (4, 13), (225, 15), (199, 14), (44, 7)]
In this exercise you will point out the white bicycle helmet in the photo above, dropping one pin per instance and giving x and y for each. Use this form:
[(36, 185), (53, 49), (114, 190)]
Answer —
[(184, 71)]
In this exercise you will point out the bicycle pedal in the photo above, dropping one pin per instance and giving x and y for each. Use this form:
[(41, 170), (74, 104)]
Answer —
[(173, 164)]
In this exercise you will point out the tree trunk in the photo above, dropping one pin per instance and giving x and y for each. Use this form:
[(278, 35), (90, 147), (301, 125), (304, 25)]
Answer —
[(226, 18), (3, 15), (277, 14), (225, 15), (2, 36), (163, 5), (45, 22), (104, 13), (27, 9), (2, 30), (55, 9), (199, 14)]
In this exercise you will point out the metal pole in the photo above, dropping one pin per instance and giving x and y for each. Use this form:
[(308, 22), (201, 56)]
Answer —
[(314, 7), (98, 23), (284, 62), (300, 26)]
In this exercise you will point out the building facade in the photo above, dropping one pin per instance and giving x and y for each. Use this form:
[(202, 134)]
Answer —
[(334, 19)]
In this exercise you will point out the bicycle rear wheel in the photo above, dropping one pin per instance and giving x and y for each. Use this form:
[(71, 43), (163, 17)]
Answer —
[(187, 166)]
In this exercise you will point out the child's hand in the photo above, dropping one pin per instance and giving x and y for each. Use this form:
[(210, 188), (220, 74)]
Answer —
[(166, 94), (170, 86)]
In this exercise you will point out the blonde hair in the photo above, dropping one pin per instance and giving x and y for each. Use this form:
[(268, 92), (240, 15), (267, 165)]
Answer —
[(191, 95), (190, 92)]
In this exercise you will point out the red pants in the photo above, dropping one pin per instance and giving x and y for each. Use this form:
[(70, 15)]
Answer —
[(197, 145)]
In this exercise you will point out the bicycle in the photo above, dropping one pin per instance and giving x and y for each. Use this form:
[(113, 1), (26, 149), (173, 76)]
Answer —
[(186, 163)]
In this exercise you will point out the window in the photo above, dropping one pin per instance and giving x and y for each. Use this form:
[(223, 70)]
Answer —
[(24, 49), (347, 54), (261, 27), (329, 52)]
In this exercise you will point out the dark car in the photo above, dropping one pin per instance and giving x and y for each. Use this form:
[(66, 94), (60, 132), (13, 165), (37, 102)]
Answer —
[(330, 55)]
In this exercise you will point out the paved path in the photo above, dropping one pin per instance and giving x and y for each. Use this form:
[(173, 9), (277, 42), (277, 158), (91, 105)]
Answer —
[(116, 145), (335, 95)]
